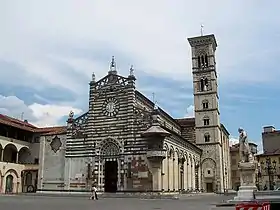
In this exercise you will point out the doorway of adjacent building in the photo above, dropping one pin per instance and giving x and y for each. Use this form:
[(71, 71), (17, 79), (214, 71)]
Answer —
[(9, 184), (209, 187), (111, 176)]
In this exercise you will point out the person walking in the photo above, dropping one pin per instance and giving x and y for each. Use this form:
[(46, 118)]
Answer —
[(94, 192)]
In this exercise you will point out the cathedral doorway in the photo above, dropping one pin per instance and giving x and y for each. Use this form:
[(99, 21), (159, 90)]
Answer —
[(209, 187), (111, 176)]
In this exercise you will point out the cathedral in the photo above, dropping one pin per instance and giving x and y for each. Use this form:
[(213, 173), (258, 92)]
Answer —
[(125, 143)]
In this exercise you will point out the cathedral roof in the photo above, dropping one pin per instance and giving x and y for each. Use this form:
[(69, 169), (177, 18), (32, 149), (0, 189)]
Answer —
[(156, 130), (188, 121), (53, 130)]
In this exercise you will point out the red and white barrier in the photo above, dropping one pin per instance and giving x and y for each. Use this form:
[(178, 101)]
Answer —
[(253, 206)]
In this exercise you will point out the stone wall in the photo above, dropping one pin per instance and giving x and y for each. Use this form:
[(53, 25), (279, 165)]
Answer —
[(52, 162), (139, 176)]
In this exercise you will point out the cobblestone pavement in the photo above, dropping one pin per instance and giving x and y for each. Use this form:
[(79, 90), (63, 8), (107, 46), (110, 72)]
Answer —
[(198, 202)]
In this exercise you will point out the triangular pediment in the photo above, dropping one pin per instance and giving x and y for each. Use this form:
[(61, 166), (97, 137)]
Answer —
[(112, 80)]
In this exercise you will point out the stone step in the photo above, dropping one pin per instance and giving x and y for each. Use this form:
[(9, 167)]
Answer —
[(173, 196)]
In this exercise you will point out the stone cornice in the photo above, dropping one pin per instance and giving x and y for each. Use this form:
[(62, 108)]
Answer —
[(203, 40)]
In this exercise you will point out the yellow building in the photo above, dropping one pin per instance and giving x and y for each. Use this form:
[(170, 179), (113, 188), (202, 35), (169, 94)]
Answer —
[(19, 155), (269, 170)]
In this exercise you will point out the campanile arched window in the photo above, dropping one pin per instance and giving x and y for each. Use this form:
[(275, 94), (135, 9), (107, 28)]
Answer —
[(207, 137)]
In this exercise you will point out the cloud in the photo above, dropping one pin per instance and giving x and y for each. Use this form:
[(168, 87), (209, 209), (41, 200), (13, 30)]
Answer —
[(37, 114), (68, 36), (58, 44), (48, 115), (233, 140), (190, 111)]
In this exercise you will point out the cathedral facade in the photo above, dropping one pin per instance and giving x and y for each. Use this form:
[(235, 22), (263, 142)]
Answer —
[(126, 143)]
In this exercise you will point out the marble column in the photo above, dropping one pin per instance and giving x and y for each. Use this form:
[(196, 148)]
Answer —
[(199, 177), (156, 170), (193, 175), (189, 176), (17, 158), (99, 183), (176, 181), (179, 176), (2, 155), (174, 174), (170, 173), (165, 174), (186, 175)]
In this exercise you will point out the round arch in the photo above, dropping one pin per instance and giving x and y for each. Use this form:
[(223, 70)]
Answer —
[(24, 155), (110, 147), (12, 172), (186, 157), (171, 152), (10, 153), (205, 101), (10, 181), (209, 160), (165, 146)]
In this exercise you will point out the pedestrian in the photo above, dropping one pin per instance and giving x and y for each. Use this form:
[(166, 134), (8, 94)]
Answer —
[(94, 192)]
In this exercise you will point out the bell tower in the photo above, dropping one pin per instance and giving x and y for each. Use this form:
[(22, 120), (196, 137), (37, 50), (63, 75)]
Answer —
[(207, 115)]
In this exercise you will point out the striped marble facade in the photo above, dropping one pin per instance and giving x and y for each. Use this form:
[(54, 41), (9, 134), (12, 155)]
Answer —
[(114, 133)]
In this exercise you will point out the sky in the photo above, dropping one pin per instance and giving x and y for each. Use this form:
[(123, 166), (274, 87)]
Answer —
[(49, 50)]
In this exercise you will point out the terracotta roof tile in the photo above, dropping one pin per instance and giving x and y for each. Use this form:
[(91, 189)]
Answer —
[(6, 120), (20, 122), (52, 130), (186, 121), (16, 123)]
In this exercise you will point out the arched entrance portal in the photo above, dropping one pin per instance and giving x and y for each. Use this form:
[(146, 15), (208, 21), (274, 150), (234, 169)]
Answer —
[(209, 169), (110, 152), (9, 184)]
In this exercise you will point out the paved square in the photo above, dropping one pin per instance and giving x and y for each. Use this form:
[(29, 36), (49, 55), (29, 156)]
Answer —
[(198, 202)]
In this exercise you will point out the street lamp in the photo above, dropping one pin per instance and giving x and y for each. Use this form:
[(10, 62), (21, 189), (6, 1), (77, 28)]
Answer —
[(270, 168)]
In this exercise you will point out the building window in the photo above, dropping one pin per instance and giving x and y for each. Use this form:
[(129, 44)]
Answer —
[(208, 172), (206, 121), (207, 137), (198, 62), (205, 104), (202, 61), (204, 84), (36, 161), (205, 60)]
